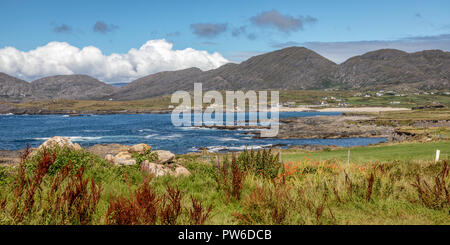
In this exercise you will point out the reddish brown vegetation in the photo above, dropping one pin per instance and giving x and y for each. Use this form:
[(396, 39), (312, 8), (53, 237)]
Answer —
[(438, 196), (265, 205), (76, 200), (170, 208), (145, 207), (72, 201), (140, 208), (370, 187), (234, 187), (198, 214)]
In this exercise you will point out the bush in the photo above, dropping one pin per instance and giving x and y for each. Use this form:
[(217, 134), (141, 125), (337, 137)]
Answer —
[(261, 163), (148, 155), (231, 184), (65, 197), (438, 195), (64, 157)]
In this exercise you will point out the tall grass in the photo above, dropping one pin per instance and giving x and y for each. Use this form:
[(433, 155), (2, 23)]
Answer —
[(84, 189), (38, 197)]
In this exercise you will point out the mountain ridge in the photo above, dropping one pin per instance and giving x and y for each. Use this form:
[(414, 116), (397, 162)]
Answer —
[(292, 68)]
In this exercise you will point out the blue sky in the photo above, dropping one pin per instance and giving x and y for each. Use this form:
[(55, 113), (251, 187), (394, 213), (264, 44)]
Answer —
[(235, 29)]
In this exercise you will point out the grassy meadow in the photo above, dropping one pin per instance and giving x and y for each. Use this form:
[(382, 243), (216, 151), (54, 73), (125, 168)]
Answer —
[(383, 184)]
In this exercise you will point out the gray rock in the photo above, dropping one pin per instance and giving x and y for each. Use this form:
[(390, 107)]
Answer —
[(123, 158), (140, 148), (162, 170), (60, 142), (165, 156), (102, 150)]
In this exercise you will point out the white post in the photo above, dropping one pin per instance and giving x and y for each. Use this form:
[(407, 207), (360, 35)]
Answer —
[(438, 152)]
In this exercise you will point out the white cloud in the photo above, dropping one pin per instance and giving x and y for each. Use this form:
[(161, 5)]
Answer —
[(61, 58)]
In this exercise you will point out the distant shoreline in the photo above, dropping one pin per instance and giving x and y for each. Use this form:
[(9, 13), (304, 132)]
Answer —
[(32, 111), (344, 109)]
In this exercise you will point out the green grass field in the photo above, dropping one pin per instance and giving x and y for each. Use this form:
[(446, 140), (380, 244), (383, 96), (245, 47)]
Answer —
[(377, 153), (309, 97)]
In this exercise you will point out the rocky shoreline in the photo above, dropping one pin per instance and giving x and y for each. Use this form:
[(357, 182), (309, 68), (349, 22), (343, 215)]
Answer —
[(34, 111), (157, 162), (321, 127)]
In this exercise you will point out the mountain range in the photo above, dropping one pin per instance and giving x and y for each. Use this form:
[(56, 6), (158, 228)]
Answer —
[(294, 68)]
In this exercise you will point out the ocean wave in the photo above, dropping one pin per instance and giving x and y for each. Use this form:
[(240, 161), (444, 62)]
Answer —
[(168, 137), (196, 128), (146, 130), (96, 130), (150, 135), (226, 139), (213, 149), (72, 138)]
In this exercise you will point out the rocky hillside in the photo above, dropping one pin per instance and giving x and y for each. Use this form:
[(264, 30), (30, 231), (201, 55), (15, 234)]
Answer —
[(290, 68), (78, 87), (13, 89), (293, 68), (390, 68), (157, 84)]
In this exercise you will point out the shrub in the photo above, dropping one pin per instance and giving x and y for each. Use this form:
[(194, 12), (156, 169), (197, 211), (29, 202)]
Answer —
[(146, 207), (170, 208), (65, 198), (232, 185), (261, 163), (198, 214), (3, 175), (140, 208), (64, 156), (438, 196), (265, 205), (148, 155)]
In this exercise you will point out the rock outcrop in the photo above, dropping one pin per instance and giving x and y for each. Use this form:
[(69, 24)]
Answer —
[(165, 156), (124, 158), (140, 148), (162, 170), (59, 142), (102, 150), (332, 127)]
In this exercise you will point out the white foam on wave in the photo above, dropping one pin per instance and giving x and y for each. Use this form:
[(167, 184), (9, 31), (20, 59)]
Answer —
[(236, 148), (150, 135), (168, 137), (196, 128), (226, 139), (96, 130), (146, 130), (72, 138)]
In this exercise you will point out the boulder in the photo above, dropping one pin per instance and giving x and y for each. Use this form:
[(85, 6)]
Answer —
[(155, 169), (109, 158), (165, 156), (59, 141), (102, 150), (161, 170), (140, 148), (181, 171), (123, 158)]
